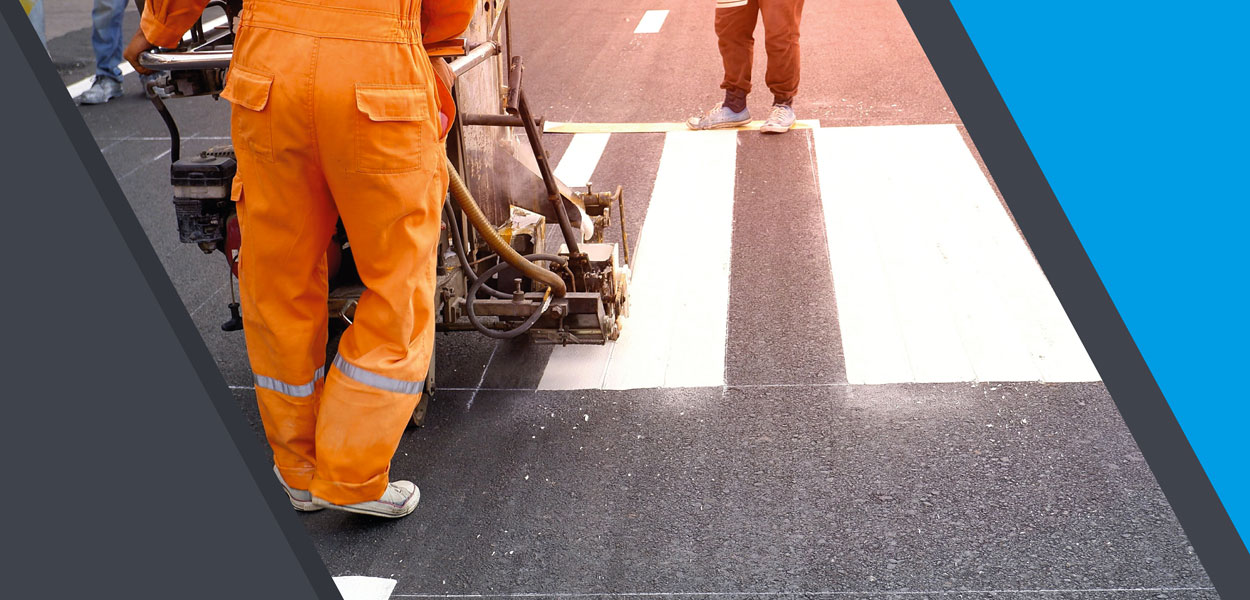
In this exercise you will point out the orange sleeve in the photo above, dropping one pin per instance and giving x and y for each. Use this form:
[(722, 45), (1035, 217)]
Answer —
[(445, 19), (164, 21)]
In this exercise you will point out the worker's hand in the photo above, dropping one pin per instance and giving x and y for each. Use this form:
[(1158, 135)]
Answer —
[(138, 45)]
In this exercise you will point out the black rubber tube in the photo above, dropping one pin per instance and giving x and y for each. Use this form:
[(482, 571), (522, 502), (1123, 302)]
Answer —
[(457, 243), (464, 199), (519, 329)]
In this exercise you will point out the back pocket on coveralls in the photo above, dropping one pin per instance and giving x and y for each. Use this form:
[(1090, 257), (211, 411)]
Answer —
[(249, 90), (393, 132)]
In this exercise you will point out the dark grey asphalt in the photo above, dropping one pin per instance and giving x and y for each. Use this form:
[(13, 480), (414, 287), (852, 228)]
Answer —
[(788, 480)]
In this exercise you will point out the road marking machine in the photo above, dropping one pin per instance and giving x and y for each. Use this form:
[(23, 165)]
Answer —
[(498, 274)]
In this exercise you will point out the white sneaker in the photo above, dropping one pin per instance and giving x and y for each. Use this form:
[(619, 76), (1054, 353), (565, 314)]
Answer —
[(780, 120), (102, 90), (300, 499), (720, 117), (399, 500)]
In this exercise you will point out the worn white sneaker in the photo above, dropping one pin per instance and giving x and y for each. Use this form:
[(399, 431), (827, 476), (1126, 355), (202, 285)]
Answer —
[(399, 500), (102, 90), (720, 117), (300, 499), (780, 120)]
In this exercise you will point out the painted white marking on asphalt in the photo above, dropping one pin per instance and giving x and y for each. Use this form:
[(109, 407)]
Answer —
[(932, 280), (841, 594), (676, 330), (78, 87), (579, 161), (355, 587), (651, 21)]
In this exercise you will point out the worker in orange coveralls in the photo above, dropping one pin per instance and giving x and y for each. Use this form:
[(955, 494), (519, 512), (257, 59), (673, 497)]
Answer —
[(336, 113)]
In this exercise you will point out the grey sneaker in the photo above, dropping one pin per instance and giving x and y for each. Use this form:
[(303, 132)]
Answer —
[(780, 120), (102, 90), (300, 499), (399, 500), (720, 117)]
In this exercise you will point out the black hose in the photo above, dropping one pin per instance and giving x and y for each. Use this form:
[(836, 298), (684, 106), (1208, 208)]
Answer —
[(457, 243), (519, 329)]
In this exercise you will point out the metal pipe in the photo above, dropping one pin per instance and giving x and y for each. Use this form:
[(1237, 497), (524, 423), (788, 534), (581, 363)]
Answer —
[(475, 57), (495, 120), (544, 168), (186, 61), (501, 7)]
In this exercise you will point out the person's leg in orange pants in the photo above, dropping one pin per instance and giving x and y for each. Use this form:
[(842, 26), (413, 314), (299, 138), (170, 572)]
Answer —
[(735, 33), (316, 139), (286, 218), (389, 180), (781, 40)]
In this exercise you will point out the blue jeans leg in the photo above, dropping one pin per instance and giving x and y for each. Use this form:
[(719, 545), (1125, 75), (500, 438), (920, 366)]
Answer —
[(36, 19), (106, 37)]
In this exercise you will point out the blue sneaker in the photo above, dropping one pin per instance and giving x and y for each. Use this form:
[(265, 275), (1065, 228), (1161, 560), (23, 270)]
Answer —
[(780, 120), (720, 118)]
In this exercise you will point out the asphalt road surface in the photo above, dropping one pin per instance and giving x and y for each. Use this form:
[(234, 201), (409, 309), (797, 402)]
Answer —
[(843, 374)]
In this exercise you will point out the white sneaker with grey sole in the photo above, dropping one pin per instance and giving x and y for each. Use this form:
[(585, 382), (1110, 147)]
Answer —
[(300, 499), (399, 500), (720, 117), (780, 120), (102, 90)]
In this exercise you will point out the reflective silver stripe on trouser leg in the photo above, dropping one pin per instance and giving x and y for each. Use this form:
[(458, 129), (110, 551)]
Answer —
[(374, 380), (294, 391)]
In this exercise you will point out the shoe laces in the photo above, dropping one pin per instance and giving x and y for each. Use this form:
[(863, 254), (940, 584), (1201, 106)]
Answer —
[(780, 113), (395, 495)]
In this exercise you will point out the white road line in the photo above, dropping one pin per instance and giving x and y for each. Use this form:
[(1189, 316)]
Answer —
[(651, 21), (355, 587), (579, 161), (842, 594), (578, 367), (78, 87), (932, 280), (676, 330)]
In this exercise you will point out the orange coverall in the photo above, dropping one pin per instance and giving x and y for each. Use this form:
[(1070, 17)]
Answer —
[(335, 114)]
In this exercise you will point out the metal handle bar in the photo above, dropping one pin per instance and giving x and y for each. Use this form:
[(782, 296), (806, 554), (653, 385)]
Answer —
[(220, 59)]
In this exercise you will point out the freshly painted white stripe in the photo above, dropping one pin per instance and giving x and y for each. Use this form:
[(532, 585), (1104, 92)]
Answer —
[(78, 87), (933, 282), (651, 21), (576, 367), (579, 161), (676, 330), (842, 594), (355, 587)]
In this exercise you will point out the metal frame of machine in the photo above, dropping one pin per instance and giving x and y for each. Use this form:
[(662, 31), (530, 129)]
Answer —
[(487, 277)]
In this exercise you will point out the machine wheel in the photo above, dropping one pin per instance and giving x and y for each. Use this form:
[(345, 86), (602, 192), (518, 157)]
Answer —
[(427, 394)]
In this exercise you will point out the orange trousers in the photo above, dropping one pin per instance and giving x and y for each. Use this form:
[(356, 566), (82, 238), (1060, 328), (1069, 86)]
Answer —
[(335, 114), (735, 32)]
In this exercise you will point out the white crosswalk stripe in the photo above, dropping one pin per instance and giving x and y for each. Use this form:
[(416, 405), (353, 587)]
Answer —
[(651, 22), (932, 280), (581, 158), (676, 330)]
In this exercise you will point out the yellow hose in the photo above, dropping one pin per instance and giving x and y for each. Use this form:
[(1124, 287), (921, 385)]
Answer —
[(460, 193)]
